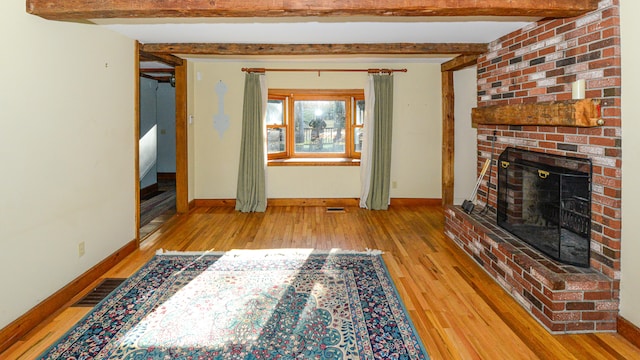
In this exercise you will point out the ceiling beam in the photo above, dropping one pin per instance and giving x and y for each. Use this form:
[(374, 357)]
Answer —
[(91, 9), (168, 59), (157, 70), (162, 79), (459, 63), (315, 49)]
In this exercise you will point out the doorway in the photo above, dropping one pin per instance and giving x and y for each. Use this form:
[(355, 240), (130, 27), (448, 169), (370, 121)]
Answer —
[(174, 71), (157, 146)]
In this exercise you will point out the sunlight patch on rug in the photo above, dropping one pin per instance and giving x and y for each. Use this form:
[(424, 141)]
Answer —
[(249, 305)]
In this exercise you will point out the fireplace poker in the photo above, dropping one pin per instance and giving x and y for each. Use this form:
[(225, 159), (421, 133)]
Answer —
[(493, 143), (469, 205)]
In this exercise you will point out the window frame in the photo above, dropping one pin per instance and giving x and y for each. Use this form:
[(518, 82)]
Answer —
[(355, 125), (289, 96), (285, 108)]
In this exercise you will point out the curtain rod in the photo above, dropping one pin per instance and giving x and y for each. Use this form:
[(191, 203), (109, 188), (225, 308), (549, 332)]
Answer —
[(370, 71)]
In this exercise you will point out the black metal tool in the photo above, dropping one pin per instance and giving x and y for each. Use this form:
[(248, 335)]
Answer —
[(469, 205)]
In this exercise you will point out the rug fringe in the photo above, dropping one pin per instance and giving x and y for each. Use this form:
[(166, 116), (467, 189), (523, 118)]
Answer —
[(270, 252)]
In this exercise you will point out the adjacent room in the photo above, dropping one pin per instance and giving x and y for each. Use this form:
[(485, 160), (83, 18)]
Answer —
[(240, 180)]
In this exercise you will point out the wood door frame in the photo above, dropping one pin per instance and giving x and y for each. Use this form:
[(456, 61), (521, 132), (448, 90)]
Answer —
[(448, 122), (182, 175), (136, 141), (182, 155)]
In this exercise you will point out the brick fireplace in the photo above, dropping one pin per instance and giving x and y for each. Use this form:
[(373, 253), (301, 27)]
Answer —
[(538, 64)]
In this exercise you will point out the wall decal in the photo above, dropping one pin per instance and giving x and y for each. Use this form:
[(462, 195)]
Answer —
[(221, 120)]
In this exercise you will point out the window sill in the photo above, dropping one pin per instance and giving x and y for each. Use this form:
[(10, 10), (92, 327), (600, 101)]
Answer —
[(314, 162)]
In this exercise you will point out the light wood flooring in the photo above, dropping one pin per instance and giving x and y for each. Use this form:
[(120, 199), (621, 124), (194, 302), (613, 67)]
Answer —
[(155, 211), (459, 312)]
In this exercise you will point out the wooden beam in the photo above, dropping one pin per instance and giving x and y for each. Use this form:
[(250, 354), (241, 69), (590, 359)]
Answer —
[(448, 137), (579, 113), (460, 62), (91, 9), (448, 123), (165, 58), (157, 70), (315, 49), (160, 79), (182, 153)]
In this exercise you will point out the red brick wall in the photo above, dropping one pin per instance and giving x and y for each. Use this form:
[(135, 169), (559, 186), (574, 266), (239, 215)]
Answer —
[(538, 64)]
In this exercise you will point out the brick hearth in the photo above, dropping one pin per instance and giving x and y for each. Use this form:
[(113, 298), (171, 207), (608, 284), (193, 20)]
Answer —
[(538, 64), (563, 298)]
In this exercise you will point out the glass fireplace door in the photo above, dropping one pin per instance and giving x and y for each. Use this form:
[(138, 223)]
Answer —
[(545, 201)]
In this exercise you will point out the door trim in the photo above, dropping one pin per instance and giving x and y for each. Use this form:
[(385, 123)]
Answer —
[(182, 168)]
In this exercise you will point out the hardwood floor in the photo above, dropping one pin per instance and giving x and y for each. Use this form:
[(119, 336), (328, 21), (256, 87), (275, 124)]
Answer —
[(459, 312), (158, 209)]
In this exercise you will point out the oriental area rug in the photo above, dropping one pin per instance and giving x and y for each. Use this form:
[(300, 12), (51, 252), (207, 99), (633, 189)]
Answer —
[(249, 304)]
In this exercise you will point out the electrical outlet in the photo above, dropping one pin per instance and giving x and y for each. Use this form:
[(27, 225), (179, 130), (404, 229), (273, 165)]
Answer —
[(394, 184), (81, 249)]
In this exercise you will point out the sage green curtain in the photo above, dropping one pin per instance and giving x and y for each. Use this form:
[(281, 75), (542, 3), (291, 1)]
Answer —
[(378, 198), (367, 140), (251, 193)]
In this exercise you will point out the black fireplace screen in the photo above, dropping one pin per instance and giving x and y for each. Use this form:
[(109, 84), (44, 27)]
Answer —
[(545, 200)]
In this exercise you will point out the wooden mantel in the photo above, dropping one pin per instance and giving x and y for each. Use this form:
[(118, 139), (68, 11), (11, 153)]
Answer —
[(91, 9), (578, 113)]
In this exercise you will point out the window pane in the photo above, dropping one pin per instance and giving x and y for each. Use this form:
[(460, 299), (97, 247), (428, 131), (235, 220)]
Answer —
[(357, 139), (276, 140), (275, 112), (319, 126), (359, 112)]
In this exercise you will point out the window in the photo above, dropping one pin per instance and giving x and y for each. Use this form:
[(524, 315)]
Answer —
[(276, 126), (314, 124)]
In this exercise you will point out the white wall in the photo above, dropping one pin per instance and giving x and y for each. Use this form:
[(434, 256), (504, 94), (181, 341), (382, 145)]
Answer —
[(157, 119), (166, 128), (148, 132), (466, 140), (66, 151), (629, 285), (416, 152), (191, 136)]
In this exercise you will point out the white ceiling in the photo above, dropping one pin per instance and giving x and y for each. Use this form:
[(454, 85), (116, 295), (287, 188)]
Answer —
[(318, 30)]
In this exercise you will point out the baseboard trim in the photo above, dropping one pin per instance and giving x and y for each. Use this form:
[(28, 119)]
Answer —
[(148, 190), (166, 176), (214, 203), (344, 202), (11, 333), (628, 330), (415, 202)]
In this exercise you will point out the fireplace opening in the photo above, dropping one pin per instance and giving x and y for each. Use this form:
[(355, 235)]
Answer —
[(545, 200)]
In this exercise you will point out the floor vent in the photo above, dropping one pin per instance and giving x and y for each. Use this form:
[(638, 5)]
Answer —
[(335, 209), (99, 293)]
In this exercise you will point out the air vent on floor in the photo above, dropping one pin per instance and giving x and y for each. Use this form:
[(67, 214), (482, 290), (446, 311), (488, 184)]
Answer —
[(335, 209), (99, 293)]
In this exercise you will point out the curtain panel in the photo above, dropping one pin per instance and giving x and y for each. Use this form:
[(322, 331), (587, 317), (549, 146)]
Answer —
[(251, 192), (378, 132), (367, 130)]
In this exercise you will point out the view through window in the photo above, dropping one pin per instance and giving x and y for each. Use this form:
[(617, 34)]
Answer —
[(315, 123)]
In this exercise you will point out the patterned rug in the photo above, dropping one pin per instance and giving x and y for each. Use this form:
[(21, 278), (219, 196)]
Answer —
[(249, 304)]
